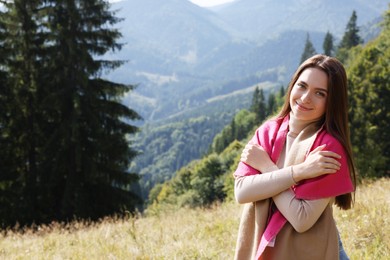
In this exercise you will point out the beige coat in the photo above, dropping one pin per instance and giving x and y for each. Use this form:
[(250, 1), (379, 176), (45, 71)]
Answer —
[(319, 242)]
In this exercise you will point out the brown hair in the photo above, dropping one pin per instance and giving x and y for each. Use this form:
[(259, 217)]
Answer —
[(336, 114)]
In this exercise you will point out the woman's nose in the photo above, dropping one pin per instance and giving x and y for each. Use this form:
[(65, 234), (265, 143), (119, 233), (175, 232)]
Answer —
[(305, 97)]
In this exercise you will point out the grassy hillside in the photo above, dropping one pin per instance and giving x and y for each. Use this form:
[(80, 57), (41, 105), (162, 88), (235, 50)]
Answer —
[(193, 234)]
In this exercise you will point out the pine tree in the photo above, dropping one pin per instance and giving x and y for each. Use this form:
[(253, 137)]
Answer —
[(369, 92), (233, 129), (258, 105), (308, 50), (281, 97), (328, 44), (271, 106), (88, 139), (22, 44), (255, 102), (350, 38), (64, 131), (8, 153)]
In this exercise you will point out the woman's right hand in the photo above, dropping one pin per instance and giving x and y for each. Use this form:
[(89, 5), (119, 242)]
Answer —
[(255, 156), (317, 163)]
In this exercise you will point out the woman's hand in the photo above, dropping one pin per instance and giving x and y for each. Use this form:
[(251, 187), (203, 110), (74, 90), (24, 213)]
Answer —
[(317, 163), (255, 156)]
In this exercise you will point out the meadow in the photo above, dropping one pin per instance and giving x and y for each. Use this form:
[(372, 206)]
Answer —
[(192, 233)]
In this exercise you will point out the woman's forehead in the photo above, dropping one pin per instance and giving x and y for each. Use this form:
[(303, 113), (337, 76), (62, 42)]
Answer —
[(314, 77)]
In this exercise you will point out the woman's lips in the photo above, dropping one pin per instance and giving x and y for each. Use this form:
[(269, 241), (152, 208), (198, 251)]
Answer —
[(301, 107)]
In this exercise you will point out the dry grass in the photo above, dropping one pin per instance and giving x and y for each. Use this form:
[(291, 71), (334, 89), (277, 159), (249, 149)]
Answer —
[(365, 230), (194, 234)]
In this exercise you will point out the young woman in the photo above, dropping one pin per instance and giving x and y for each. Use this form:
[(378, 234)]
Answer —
[(295, 167)]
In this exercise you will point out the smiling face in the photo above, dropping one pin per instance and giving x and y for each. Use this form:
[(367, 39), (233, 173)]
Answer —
[(309, 94)]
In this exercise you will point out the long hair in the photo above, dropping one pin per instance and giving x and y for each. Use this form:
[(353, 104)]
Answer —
[(335, 119)]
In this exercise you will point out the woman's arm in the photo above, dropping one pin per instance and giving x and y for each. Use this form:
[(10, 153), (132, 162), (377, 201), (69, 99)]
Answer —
[(270, 182), (302, 214), (273, 181), (317, 163), (262, 186)]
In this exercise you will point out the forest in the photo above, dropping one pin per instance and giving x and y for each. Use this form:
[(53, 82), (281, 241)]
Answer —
[(67, 144), (64, 141), (203, 182)]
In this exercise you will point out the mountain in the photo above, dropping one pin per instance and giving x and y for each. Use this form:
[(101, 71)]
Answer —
[(167, 36), (180, 53), (196, 67), (167, 43), (261, 19)]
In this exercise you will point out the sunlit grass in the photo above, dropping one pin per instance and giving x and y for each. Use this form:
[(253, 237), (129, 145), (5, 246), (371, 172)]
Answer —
[(365, 229), (193, 234)]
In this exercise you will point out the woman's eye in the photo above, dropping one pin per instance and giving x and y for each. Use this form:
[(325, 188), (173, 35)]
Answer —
[(321, 94), (300, 85)]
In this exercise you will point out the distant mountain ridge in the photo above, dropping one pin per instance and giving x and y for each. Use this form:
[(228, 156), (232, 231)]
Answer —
[(268, 17), (194, 66), (177, 50)]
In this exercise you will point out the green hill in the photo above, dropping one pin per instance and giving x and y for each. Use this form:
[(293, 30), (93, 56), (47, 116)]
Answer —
[(207, 233), (207, 180)]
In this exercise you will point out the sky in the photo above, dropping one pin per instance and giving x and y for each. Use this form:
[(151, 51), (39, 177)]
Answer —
[(208, 3), (204, 3)]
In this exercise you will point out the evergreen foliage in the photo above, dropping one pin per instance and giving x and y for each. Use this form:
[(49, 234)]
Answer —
[(369, 82), (19, 132), (328, 45), (65, 149), (236, 130), (308, 50), (271, 106), (368, 74), (168, 145), (280, 98), (172, 146), (350, 38), (202, 182), (258, 105)]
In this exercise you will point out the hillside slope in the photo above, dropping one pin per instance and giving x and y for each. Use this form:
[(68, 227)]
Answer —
[(256, 19), (176, 49), (194, 233), (173, 93)]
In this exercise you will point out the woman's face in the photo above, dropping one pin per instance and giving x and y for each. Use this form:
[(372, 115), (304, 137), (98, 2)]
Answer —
[(309, 94)]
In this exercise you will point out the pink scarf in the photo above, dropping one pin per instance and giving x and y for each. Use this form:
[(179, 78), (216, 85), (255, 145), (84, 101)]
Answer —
[(272, 136)]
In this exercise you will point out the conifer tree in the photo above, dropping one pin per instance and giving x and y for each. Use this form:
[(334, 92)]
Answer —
[(255, 101), (350, 38), (8, 154), (258, 105), (91, 152), (281, 97), (328, 44), (369, 92), (308, 50), (22, 39), (64, 131)]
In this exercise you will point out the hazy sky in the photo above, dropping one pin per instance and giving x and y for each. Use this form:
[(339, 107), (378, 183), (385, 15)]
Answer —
[(210, 2), (199, 2)]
